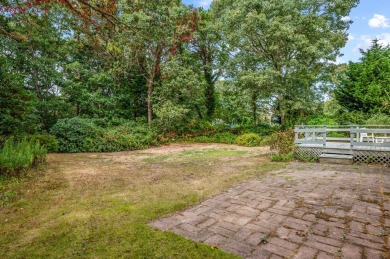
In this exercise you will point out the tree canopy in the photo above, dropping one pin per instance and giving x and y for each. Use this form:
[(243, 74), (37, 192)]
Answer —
[(169, 64), (365, 85)]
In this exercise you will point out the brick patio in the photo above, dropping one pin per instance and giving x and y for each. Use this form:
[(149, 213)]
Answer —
[(305, 211)]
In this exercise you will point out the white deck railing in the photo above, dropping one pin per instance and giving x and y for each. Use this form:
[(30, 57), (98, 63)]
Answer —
[(356, 135)]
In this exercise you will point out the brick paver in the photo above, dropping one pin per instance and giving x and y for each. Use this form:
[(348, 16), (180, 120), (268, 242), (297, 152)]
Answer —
[(305, 211)]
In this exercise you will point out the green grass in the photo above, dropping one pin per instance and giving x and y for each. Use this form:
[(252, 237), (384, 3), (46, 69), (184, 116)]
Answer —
[(198, 154), (18, 156), (212, 153), (99, 208), (8, 189), (282, 157)]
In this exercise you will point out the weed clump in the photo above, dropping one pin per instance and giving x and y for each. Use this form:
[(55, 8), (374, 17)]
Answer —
[(282, 157), (18, 156), (248, 140)]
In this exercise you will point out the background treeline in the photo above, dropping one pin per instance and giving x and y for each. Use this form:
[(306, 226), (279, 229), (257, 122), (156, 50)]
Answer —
[(124, 75)]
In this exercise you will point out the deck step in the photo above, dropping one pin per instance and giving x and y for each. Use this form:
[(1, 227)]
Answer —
[(344, 159), (337, 151)]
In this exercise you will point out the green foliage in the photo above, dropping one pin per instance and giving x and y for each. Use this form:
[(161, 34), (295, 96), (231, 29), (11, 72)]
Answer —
[(365, 85), (220, 137), (292, 41), (55, 67), (17, 113), (284, 143), (9, 188), (269, 140), (224, 137), (282, 157), (199, 139), (171, 117), (16, 157), (84, 135), (76, 135), (48, 141), (248, 140), (353, 117), (260, 129), (378, 119), (202, 126), (320, 120)]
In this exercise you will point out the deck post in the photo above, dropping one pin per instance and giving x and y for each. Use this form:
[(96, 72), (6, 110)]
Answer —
[(324, 140), (351, 137), (357, 135)]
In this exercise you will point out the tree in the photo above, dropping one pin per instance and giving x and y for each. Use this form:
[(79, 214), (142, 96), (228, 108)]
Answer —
[(159, 31), (180, 93), (17, 104), (365, 85), (38, 53), (209, 48), (294, 42)]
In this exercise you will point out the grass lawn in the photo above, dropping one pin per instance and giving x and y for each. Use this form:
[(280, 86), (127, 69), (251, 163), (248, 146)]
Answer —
[(98, 205)]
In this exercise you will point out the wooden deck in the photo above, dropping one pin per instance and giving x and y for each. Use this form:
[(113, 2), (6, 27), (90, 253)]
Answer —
[(366, 143), (341, 145)]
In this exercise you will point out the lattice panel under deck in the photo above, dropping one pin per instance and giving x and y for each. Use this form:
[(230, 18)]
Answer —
[(303, 153), (359, 156), (371, 156)]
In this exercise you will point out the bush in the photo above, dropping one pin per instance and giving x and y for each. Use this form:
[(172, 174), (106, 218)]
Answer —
[(248, 140), (47, 141), (225, 137), (259, 129), (282, 157), (83, 135), (379, 119), (268, 140), (200, 139), (284, 142), (171, 117), (16, 157), (320, 120), (354, 117), (76, 135)]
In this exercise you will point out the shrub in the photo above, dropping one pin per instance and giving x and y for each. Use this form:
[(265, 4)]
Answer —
[(282, 157), (320, 120), (47, 141), (19, 156), (248, 140), (225, 137), (200, 139), (379, 119), (284, 142), (83, 135), (269, 140), (354, 117), (171, 117), (237, 129), (76, 135)]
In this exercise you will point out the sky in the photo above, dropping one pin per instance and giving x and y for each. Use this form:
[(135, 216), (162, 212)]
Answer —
[(371, 19)]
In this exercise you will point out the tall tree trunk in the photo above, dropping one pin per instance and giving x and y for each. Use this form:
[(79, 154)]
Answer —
[(282, 117), (199, 111), (210, 93), (282, 112), (155, 71), (254, 108), (150, 110)]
